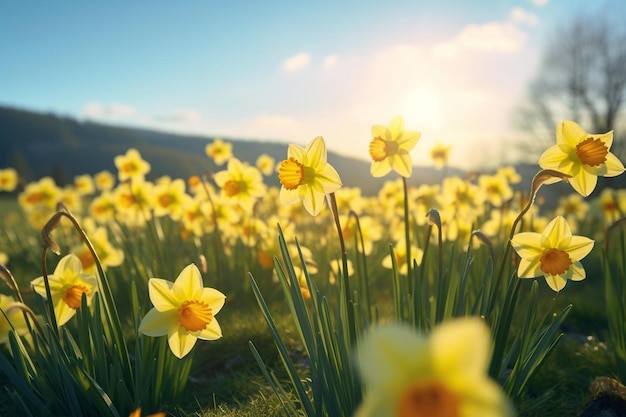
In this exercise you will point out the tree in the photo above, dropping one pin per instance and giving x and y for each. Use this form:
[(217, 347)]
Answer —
[(582, 77)]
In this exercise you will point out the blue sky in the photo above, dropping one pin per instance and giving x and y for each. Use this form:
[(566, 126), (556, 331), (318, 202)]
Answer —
[(286, 71)]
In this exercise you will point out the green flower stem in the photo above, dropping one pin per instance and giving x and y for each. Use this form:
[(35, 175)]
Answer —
[(407, 235)]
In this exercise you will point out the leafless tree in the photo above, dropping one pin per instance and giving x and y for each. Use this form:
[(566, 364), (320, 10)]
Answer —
[(582, 77)]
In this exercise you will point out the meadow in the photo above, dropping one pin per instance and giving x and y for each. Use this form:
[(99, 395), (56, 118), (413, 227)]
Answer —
[(218, 295)]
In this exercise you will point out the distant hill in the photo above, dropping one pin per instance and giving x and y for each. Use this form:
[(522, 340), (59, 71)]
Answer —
[(38, 145)]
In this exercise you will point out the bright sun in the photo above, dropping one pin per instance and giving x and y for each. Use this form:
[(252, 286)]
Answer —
[(422, 109)]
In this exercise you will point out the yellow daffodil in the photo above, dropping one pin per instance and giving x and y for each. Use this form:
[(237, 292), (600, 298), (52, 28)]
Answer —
[(219, 151), (42, 194), (11, 318), (241, 183), (183, 310), (168, 197), (68, 283), (108, 254), (390, 148), (582, 155), (265, 164), (306, 176), (8, 179), (555, 254), (496, 188), (443, 374), (104, 180), (440, 154), (84, 184), (131, 165)]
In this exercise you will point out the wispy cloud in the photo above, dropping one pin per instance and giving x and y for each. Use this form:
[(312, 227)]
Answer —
[(296, 62), (488, 37), (95, 110), (330, 61), (540, 3), (181, 116), (520, 15)]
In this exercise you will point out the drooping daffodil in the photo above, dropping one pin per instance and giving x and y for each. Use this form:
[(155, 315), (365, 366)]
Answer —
[(183, 310)]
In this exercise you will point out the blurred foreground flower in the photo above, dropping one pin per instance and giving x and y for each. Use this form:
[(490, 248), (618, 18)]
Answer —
[(444, 374), (440, 154), (8, 179), (11, 318), (219, 151), (390, 148), (582, 155), (555, 254), (131, 165), (183, 310), (306, 176), (68, 283)]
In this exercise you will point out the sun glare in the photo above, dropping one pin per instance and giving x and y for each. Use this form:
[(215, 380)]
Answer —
[(422, 109)]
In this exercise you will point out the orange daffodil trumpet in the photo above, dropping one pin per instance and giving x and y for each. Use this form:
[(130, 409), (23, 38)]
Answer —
[(582, 155), (390, 148), (306, 176), (443, 374), (183, 310), (555, 254)]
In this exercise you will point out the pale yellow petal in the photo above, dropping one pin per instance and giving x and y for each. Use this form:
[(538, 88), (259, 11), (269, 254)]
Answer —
[(221, 177), (63, 312), (288, 196), (296, 152), (584, 182), (578, 272), (527, 244), (556, 231), (381, 132), (68, 262), (161, 294), (461, 346), (529, 268), (577, 247), (409, 139), (606, 138), (316, 152), (312, 200), (329, 179), (213, 298), (396, 127), (156, 323), (181, 342), (402, 163), (381, 168), (570, 133), (482, 397), (212, 331), (556, 158), (556, 282), (613, 166), (188, 284)]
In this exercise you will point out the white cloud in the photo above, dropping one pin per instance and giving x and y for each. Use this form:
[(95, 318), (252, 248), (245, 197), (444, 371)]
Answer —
[(522, 16), (296, 62), (488, 37), (182, 116), (95, 110), (540, 3), (331, 61)]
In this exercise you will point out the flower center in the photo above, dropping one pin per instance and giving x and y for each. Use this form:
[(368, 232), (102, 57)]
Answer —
[(232, 187), (194, 315), (592, 152), (291, 174), (381, 149), (73, 295), (165, 200), (129, 167), (554, 261), (428, 400)]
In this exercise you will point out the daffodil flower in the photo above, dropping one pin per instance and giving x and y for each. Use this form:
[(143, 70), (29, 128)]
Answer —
[(443, 374), (306, 176), (131, 165), (582, 155), (183, 310), (390, 148), (68, 283), (555, 254)]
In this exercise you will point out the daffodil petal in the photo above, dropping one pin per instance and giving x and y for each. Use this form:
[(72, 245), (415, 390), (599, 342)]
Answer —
[(380, 168), (288, 196), (461, 346), (188, 284), (606, 138), (312, 200), (396, 127), (161, 295), (553, 157), (578, 272), (409, 139), (63, 312), (379, 131), (214, 298), (329, 179), (556, 282), (296, 152), (613, 165), (316, 152), (527, 244), (556, 231), (570, 133), (156, 323), (70, 262), (529, 268), (577, 247), (486, 402), (402, 163), (584, 182), (212, 331), (181, 342)]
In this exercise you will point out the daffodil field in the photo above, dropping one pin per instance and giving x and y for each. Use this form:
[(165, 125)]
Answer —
[(122, 296)]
